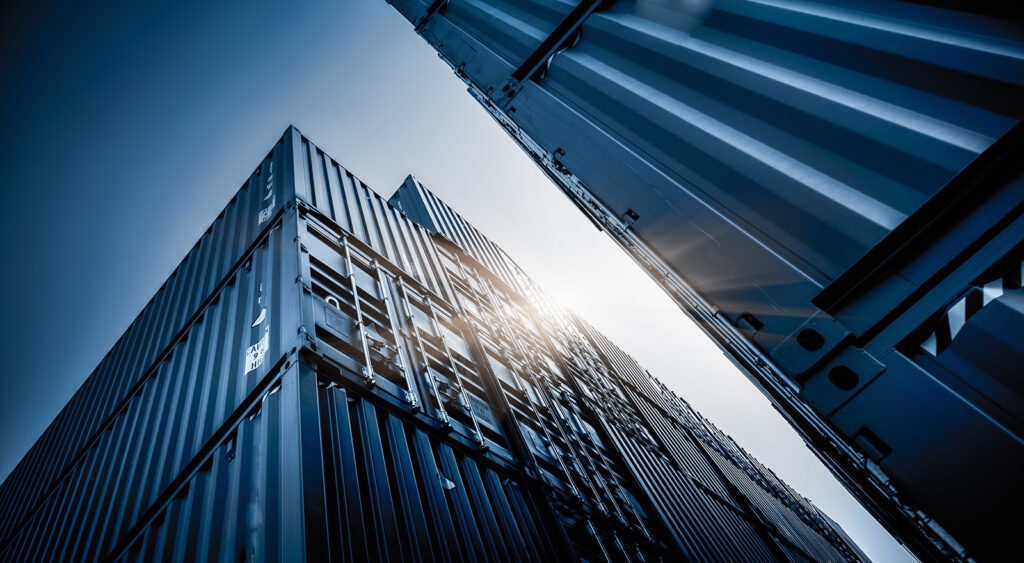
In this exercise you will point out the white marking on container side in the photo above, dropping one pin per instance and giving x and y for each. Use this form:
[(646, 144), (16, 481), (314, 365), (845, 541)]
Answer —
[(259, 319), (266, 213), (256, 353)]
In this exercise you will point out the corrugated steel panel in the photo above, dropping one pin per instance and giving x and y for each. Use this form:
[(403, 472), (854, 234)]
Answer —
[(656, 433), (243, 496), (150, 335), (707, 529), (169, 415), (626, 367), (437, 217), (360, 211), (393, 492), (360, 386), (684, 436), (779, 517), (831, 189), (424, 497)]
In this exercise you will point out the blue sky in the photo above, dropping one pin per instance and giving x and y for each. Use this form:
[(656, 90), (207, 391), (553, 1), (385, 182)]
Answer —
[(128, 128)]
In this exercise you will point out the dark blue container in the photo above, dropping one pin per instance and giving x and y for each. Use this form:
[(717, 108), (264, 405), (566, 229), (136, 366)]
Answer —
[(326, 377), (831, 189)]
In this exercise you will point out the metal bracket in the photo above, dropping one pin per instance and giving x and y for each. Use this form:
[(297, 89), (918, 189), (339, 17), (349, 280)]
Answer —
[(562, 37)]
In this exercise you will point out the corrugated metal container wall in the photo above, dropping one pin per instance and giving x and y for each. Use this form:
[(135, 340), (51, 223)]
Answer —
[(393, 491), (383, 334), (643, 419), (436, 216), (428, 499), (241, 500), (357, 386), (160, 324), (831, 189), (178, 404), (344, 199), (683, 435)]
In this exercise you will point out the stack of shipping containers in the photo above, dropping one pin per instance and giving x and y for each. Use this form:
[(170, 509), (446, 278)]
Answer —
[(330, 376), (831, 189)]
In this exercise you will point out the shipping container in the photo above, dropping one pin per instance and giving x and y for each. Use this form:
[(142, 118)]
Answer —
[(659, 437), (333, 376), (214, 263), (831, 189)]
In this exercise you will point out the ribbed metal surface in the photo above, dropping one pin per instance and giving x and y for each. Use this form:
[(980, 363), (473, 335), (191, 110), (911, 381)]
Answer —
[(241, 500), (658, 436), (831, 189), (774, 112), (148, 338), (359, 386), (396, 492), (363, 213), (141, 446), (692, 443), (706, 527), (443, 361), (436, 216), (626, 367)]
